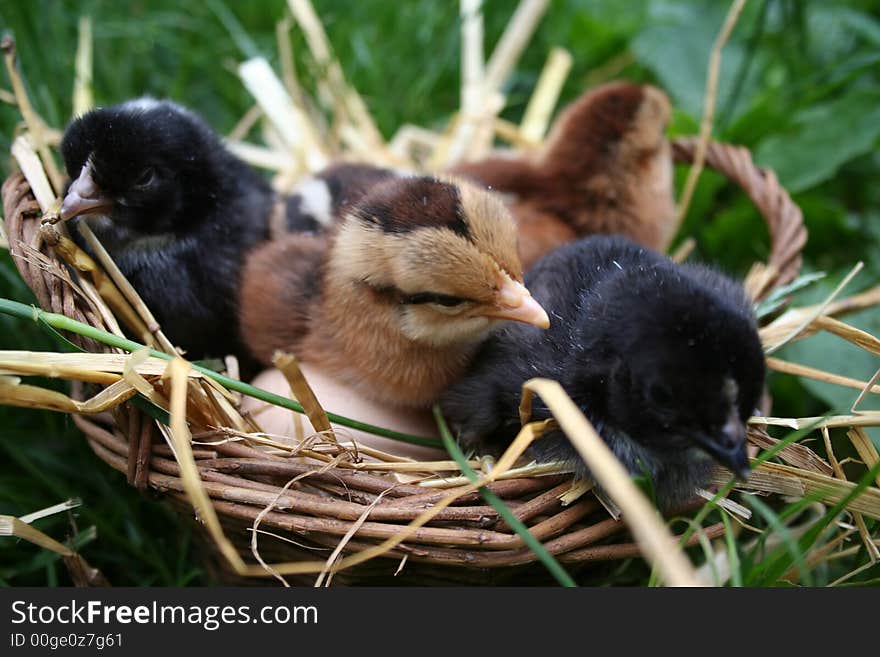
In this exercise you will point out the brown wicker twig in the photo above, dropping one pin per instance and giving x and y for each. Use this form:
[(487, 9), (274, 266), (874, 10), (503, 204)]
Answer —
[(784, 218)]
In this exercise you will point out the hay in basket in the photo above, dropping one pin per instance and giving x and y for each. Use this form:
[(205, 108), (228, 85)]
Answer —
[(320, 508)]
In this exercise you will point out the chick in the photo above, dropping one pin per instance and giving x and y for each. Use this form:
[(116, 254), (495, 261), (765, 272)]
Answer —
[(175, 210), (319, 200), (606, 167), (664, 359), (416, 274)]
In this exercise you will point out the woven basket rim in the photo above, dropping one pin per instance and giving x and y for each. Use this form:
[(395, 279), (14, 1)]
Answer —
[(467, 538)]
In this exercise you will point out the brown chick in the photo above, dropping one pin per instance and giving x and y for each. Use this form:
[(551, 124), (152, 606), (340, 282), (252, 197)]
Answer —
[(605, 167), (311, 211), (411, 280)]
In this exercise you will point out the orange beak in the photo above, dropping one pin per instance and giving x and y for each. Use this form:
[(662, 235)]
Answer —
[(84, 197), (515, 302)]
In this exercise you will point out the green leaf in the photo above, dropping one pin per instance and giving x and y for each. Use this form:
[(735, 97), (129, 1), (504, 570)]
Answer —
[(837, 28), (676, 45), (822, 138), (779, 296)]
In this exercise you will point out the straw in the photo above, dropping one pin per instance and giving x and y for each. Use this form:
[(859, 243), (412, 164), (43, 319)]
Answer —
[(289, 120), (651, 534), (65, 323), (39, 132), (712, 76), (536, 118), (83, 100), (80, 571)]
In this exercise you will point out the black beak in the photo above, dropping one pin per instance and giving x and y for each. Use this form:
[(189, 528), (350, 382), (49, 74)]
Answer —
[(729, 447)]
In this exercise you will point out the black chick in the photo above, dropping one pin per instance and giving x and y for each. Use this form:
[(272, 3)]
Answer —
[(664, 359), (176, 211), (319, 201)]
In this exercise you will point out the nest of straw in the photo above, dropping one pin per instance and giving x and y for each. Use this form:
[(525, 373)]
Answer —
[(323, 507)]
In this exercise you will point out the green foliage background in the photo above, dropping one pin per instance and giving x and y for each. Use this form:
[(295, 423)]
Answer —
[(800, 88)]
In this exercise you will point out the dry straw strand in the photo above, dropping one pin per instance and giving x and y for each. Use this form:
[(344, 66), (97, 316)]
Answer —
[(106, 289), (820, 375), (861, 419), (649, 531), (471, 56), (870, 384), (471, 135), (83, 99), (473, 89), (513, 41), (289, 120), (683, 251), (28, 396), (782, 479), (245, 124), (61, 507), (285, 56), (37, 128), (178, 372), (80, 571), (303, 393), (347, 101), (536, 117), (140, 317), (865, 447), (12, 526), (816, 312), (857, 517), (793, 453), (337, 551), (25, 154), (4, 239), (712, 76)]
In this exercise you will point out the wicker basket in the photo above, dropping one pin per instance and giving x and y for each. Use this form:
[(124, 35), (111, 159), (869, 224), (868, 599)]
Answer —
[(466, 543)]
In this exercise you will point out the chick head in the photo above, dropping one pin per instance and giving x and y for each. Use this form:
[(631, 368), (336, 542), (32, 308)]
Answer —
[(440, 255)]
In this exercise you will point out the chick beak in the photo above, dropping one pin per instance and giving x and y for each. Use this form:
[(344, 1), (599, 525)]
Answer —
[(515, 302), (729, 449), (84, 197)]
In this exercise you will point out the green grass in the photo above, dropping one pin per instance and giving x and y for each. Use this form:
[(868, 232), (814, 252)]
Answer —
[(799, 88)]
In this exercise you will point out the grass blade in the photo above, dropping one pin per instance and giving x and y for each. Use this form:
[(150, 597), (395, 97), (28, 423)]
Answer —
[(503, 510), (61, 322), (777, 566)]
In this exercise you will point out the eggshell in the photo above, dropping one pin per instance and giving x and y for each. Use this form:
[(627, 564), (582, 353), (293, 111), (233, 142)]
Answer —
[(336, 397)]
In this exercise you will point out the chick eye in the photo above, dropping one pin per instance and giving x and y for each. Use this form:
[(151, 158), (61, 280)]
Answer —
[(445, 300), (146, 177), (449, 302), (659, 395)]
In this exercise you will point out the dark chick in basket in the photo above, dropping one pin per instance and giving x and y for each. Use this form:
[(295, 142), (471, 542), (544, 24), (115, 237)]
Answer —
[(177, 211), (605, 168), (664, 359), (417, 273)]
